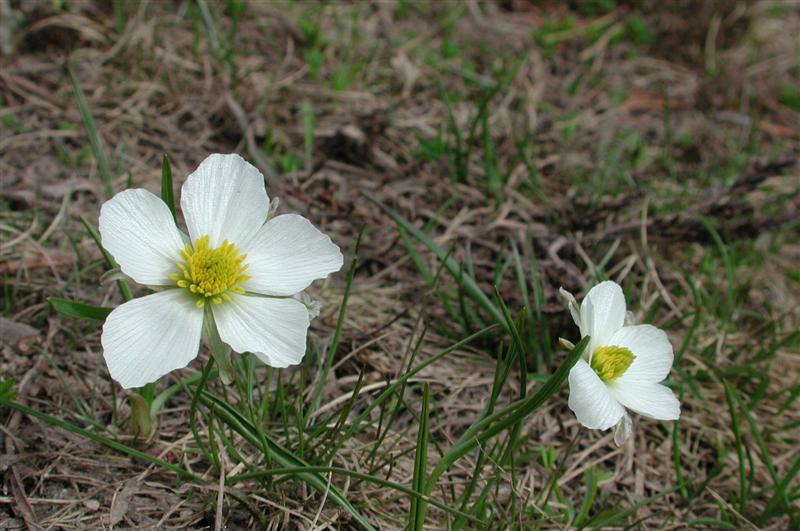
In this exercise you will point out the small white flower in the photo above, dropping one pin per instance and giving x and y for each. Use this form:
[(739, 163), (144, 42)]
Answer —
[(233, 270), (622, 367)]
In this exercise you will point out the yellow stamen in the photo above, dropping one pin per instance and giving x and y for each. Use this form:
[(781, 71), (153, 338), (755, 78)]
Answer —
[(211, 274), (611, 362)]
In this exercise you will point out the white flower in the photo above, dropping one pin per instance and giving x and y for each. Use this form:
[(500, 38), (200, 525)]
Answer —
[(234, 271), (622, 367)]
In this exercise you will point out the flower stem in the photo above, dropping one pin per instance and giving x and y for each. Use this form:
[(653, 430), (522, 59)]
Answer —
[(219, 350)]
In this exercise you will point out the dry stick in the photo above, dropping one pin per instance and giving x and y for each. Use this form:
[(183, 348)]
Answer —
[(322, 503)]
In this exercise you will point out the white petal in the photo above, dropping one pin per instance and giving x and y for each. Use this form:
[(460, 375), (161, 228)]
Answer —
[(272, 329), (224, 198), (146, 338), (287, 255), (602, 313), (590, 400), (137, 228), (649, 399), (652, 349)]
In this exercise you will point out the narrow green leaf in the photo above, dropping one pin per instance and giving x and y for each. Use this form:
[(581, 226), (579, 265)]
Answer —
[(167, 192), (780, 491), (588, 499), (115, 445), (307, 113), (502, 370), (370, 478), (485, 429), (523, 353), (467, 283), (356, 424), (78, 309), (91, 130), (676, 454), (428, 276), (416, 517), (765, 455), (730, 270), (7, 389), (124, 288), (158, 402), (729, 396), (608, 518), (227, 414), (323, 375)]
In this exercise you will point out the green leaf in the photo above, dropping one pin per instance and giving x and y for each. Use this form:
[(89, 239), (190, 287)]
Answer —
[(740, 450), (6, 391), (91, 130), (591, 479), (166, 186), (78, 309), (416, 516)]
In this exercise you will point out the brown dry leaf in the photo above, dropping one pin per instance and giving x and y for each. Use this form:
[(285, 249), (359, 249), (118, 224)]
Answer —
[(122, 501)]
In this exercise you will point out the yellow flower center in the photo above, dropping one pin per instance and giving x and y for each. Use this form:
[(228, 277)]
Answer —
[(611, 362), (211, 274)]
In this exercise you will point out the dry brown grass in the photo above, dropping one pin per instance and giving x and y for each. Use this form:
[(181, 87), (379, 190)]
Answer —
[(709, 84)]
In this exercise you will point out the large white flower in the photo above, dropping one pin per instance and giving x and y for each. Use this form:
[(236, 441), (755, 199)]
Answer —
[(622, 367), (236, 273)]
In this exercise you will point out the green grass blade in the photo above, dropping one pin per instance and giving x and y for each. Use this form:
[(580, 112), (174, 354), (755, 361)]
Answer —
[(91, 130), (780, 491), (124, 288), (167, 190), (765, 456), (676, 454), (307, 113), (389, 391), (743, 490), (467, 283), (53, 421), (78, 309), (494, 424), (608, 518), (429, 278), (523, 353), (730, 270), (227, 414), (588, 499), (502, 370), (416, 516), (370, 478), (323, 375)]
